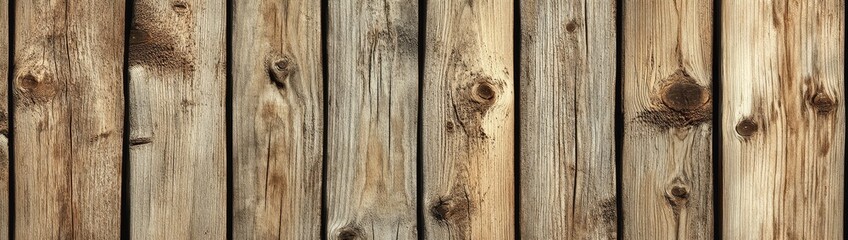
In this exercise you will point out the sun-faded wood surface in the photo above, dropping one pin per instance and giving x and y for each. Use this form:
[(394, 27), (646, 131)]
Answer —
[(567, 97), (783, 66), (277, 119), (667, 112), (468, 117), (372, 53), (68, 96), (4, 120), (177, 83)]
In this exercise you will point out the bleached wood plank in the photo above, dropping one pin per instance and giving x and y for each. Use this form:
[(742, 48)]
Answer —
[(567, 97), (372, 53), (68, 96), (277, 119), (177, 127), (468, 118), (783, 67), (667, 108)]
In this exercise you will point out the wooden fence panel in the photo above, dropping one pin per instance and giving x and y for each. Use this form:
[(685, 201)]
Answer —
[(177, 64), (667, 109), (4, 120), (372, 61), (68, 90), (783, 66), (277, 119), (468, 117), (567, 97)]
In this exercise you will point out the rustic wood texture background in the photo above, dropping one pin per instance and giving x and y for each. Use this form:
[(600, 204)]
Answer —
[(415, 119)]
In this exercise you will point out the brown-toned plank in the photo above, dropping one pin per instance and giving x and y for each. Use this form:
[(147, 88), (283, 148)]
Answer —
[(666, 164), (277, 119), (783, 66), (68, 95), (4, 119), (567, 97), (177, 64)]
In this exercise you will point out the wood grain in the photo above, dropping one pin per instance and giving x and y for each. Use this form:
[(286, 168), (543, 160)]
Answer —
[(783, 67), (177, 64), (68, 96), (567, 97), (667, 108), (372, 53), (468, 117), (4, 120), (277, 119)]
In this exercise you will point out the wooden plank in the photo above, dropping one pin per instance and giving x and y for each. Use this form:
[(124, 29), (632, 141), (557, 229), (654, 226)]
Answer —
[(4, 119), (783, 67), (567, 97), (372, 53), (68, 90), (277, 119), (667, 108), (468, 117), (177, 130)]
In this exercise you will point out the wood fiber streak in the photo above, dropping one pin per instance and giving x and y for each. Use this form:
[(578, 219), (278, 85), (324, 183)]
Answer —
[(372, 49), (468, 117), (277, 119), (567, 97), (4, 120), (68, 95), (177, 82), (666, 164), (783, 66)]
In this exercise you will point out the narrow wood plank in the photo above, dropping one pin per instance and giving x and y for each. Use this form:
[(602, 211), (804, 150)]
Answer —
[(372, 53), (277, 119), (4, 119), (567, 98), (469, 120), (177, 127), (783, 67), (68, 90), (667, 109)]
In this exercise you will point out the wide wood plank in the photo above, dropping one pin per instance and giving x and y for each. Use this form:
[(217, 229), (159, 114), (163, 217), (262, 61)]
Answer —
[(68, 96), (4, 119), (468, 118), (567, 97), (783, 103), (277, 119), (372, 54), (667, 108), (177, 120)]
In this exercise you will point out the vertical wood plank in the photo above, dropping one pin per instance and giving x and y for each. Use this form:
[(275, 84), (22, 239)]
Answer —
[(567, 98), (68, 90), (468, 118), (277, 119), (667, 109), (4, 119), (372, 49), (784, 119), (177, 126)]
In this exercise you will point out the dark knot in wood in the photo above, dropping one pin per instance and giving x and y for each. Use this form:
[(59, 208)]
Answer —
[(349, 232), (571, 26), (679, 191), (823, 103), (180, 6), (484, 92), (280, 70), (684, 96), (29, 82), (746, 128)]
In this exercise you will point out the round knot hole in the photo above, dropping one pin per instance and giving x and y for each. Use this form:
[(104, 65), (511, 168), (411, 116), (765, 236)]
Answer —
[(746, 128), (679, 191), (485, 92)]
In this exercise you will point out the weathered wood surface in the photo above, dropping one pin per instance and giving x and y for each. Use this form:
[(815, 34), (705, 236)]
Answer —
[(567, 97), (468, 117), (277, 119), (177, 64), (372, 53), (68, 96), (667, 109), (783, 67), (4, 120)]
